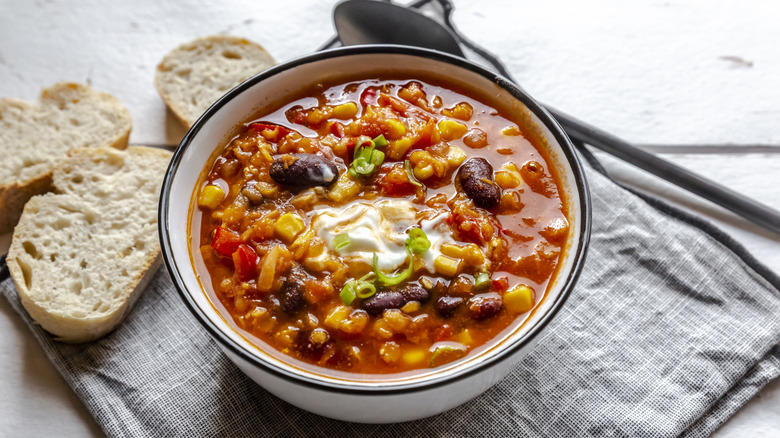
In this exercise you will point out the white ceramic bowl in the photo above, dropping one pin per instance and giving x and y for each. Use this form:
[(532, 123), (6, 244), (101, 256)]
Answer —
[(378, 399)]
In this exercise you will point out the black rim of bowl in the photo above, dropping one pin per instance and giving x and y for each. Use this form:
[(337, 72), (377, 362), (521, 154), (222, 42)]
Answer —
[(345, 386)]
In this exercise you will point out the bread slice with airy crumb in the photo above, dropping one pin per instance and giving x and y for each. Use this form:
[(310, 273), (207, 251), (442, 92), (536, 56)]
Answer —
[(80, 257), (34, 137), (194, 75)]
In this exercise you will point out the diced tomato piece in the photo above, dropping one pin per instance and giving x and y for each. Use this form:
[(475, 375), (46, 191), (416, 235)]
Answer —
[(396, 183), (368, 96), (225, 242), (442, 333), (281, 131), (296, 115), (403, 108), (351, 150), (469, 228), (428, 136), (245, 261), (337, 129), (500, 284)]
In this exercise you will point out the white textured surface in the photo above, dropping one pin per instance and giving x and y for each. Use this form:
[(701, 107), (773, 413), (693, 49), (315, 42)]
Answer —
[(651, 71)]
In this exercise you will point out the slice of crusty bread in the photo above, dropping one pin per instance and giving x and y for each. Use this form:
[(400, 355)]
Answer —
[(194, 75), (80, 257), (35, 136)]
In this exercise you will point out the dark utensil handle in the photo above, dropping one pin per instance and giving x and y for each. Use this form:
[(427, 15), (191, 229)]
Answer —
[(3, 268), (742, 205)]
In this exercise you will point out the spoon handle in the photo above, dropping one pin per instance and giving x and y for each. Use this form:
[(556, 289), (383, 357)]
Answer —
[(740, 204)]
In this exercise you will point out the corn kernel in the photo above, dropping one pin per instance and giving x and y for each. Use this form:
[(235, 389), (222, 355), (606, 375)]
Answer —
[(451, 130), (268, 190), (319, 336), (398, 148), (447, 265), (414, 357), (411, 307), (336, 316), (471, 253), (511, 131), (344, 189), (355, 322), (397, 320), (451, 250), (395, 129), (519, 299), (423, 172), (317, 116), (344, 111), (507, 180), (289, 226), (464, 337), (210, 197), (286, 336), (462, 111), (301, 244), (381, 330), (455, 156), (390, 352)]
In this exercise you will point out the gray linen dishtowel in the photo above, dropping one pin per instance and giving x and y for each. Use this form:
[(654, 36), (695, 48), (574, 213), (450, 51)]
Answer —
[(668, 332)]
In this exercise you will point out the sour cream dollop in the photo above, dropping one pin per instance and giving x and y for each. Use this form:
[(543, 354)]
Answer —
[(380, 228)]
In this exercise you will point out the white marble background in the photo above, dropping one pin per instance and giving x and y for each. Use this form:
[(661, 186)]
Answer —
[(698, 80)]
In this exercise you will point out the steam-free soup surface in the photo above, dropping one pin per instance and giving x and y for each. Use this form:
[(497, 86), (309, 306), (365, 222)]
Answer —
[(381, 226)]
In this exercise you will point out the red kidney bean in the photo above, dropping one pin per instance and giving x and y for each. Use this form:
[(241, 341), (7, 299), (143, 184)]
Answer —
[(476, 180), (415, 292), (292, 297), (447, 305), (382, 301), (484, 306), (303, 170)]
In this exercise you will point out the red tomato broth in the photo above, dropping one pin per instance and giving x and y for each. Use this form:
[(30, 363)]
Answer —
[(524, 229)]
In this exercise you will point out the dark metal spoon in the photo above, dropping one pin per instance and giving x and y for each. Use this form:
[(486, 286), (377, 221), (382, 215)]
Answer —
[(352, 25), (372, 22)]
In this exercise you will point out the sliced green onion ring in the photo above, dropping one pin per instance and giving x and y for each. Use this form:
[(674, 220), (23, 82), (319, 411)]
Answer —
[(348, 294), (365, 289), (482, 280), (380, 141), (417, 241), (454, 352), (392, 280), (410, 175), (367, 159), (341, 241)]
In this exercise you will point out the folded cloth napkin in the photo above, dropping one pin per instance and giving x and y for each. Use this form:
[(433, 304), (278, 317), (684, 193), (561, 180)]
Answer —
[(669, 331)]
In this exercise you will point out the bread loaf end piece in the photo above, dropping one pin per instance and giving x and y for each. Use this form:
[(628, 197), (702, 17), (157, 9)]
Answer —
[(194, 75)]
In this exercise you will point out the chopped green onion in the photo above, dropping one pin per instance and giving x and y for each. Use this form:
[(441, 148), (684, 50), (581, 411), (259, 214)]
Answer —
[(357, 289), (341, 241), (412, 179), (367, 159), (392, 280), (447, 353), (348, 294), (380, 141), (482, 280), (417, 241), (365, 289)]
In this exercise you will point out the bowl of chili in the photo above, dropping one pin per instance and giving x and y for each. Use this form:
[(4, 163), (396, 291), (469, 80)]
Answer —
[(375, 233)]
